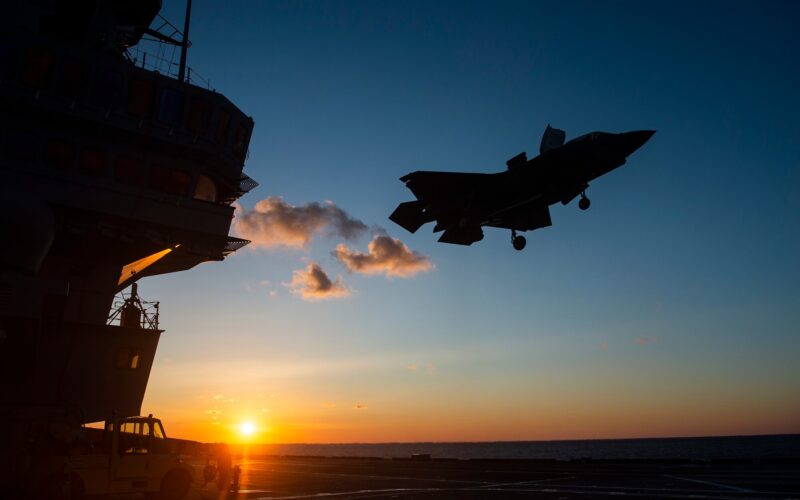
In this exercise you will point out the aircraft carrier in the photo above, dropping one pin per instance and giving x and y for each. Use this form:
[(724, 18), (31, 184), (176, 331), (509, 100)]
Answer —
[(114, 167)]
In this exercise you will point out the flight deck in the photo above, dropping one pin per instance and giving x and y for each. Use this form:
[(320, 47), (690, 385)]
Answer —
[(320, 477)]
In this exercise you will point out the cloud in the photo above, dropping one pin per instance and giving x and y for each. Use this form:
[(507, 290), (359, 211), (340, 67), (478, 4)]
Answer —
[(275, 223), (642, 340), (214, 412), (430, 368), (387, 255), (312, 283)]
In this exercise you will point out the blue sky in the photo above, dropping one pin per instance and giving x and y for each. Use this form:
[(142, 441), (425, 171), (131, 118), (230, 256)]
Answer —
[(691, 247)]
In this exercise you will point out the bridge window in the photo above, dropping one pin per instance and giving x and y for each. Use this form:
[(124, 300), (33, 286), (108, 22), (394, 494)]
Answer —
[(20, 146), (36, 71), (106, 88), (71, 80), (127, 359), (129, 170), (198, 117), (140, 97), (205, 189), (93, 161), (170, 107), (169, 180), (239, 141), (59, 153), (221, 134)]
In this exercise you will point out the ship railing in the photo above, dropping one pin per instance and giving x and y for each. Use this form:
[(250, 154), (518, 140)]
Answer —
[(160, 54), (129, 310), (158, 62)]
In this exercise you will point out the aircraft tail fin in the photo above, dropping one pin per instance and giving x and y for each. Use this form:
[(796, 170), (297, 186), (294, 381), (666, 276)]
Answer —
[(552, 139), (410, 215)]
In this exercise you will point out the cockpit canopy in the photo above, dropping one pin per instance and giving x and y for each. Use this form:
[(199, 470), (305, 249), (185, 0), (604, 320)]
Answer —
[(592, 136)]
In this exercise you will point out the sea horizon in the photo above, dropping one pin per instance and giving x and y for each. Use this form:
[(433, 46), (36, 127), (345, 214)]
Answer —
[(789, 434), (754, 446)]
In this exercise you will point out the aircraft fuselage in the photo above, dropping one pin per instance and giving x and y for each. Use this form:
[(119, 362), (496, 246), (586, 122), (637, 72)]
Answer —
[(561, 174), (517, 198)]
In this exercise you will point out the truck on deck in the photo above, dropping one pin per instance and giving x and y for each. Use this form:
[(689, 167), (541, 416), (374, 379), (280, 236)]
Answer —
[(131, 454)]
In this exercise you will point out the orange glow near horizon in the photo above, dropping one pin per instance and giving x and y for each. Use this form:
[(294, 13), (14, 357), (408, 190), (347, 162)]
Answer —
[(351, 400), (298, 423)]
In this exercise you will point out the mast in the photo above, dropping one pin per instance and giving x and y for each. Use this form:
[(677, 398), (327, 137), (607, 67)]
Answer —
[(185, 43)]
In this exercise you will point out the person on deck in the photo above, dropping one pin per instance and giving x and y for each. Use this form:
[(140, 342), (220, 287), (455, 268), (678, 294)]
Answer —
[(223, 467), (237, 471)]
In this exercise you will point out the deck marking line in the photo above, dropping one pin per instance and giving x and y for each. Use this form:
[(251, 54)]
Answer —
[(350, 493), (373, 476), (578, 491), (712, 483), (525, 483)]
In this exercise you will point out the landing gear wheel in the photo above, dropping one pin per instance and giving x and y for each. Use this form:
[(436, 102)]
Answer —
[(584, 202), (518, 242)]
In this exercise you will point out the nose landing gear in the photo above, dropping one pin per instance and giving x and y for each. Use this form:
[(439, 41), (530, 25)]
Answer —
[(584, 202), (518, 242)]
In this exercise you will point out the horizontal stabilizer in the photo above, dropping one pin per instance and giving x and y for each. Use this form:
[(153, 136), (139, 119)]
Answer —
[(462, 236), (552, 138), (410, 215), (518, 161)]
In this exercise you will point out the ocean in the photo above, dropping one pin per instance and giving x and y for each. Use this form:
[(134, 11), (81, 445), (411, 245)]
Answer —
[(695, 448)]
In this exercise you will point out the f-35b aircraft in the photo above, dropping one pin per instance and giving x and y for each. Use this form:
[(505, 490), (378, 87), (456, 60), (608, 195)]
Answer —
[(519, 198)]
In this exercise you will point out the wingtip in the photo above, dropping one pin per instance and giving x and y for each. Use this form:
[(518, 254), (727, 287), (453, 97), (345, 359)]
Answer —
[(407, 177)]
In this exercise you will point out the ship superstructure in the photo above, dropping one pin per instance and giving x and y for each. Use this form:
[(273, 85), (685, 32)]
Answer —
[(110, 172)]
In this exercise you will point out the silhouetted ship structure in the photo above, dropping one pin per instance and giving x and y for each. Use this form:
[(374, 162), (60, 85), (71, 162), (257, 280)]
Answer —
[(110, 173)]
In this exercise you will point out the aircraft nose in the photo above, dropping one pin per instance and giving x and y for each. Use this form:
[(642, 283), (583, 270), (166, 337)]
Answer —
[(636, 139)]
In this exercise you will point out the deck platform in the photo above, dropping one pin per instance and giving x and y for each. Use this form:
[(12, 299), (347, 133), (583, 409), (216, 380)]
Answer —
[(321, 478)]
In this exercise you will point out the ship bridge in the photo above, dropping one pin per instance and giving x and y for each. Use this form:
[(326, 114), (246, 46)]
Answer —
[(120, 172)]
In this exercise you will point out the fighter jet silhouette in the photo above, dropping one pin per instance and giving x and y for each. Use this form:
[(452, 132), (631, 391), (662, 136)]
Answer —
[(519, 198)]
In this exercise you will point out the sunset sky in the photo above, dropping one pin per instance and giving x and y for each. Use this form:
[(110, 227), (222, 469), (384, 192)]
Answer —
[(670, 308)]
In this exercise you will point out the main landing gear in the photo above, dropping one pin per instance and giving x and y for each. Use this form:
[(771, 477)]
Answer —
[(518, 242), (584, 202)]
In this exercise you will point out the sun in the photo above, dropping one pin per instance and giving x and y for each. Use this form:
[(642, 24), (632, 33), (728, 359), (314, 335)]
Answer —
[(247, 428)]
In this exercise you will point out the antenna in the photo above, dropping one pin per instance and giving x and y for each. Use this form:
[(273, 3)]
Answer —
[(185, 43)]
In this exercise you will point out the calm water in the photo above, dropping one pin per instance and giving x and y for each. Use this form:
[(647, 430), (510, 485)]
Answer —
[(782, 446)]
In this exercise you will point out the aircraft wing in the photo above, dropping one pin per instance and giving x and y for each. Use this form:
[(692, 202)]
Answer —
[(449, 187), (444, 197), (459, 204)]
